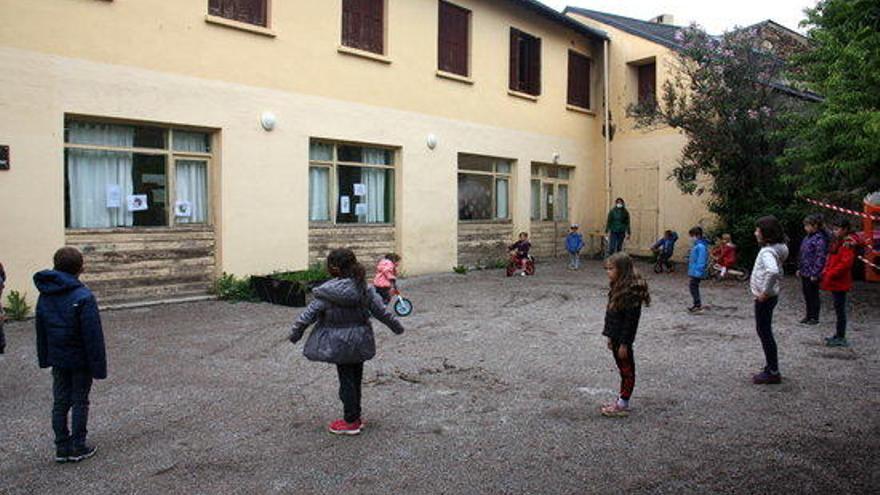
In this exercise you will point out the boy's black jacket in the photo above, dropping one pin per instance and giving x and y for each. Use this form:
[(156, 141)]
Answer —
[(69, 333)]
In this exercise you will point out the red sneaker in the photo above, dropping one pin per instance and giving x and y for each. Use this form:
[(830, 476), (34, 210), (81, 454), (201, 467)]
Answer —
[(341, 427)]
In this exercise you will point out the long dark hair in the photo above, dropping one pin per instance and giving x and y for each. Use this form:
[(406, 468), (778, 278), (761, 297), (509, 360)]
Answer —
[(629, 288), (771, 230), (343, 263)]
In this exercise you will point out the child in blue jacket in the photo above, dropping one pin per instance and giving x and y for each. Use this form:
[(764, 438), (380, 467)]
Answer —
[(574, 243), (665, 248), (698, 263), (70, 341)]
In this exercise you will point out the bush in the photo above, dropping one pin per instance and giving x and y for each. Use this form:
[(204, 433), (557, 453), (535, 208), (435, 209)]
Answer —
[(316, 273), (460, 269), (17, 307), (230, 288)]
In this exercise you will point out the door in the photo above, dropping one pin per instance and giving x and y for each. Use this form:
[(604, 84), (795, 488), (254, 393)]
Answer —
[(641, 190)]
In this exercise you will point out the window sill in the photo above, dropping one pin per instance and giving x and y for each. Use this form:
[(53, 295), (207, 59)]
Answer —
[(454, 77), (486, 222), (575, 108), (242, 26), (196, 227), (524, 96), (331, 225), (347, 50)]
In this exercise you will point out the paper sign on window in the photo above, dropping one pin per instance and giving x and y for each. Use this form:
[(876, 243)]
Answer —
[(137, 202), (114, 196), (344, 205), (360, 190), (183, 209), (360, 209)]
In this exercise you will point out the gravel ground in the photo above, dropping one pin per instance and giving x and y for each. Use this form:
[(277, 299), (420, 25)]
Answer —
[(493, 389)]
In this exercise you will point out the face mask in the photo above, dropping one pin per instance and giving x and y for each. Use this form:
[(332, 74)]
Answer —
[(620, 205)]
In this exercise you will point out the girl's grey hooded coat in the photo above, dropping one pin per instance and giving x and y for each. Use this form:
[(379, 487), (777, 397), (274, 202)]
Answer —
[(343, 333)]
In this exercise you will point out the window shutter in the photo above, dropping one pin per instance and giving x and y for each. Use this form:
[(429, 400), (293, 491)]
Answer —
[(515, 41), (535, 67), (578, 80), (375, 21), (348, 12), (249, 11), (453, 39)]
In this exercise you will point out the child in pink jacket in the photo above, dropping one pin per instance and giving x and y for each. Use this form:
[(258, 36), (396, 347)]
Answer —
[(386, 276)]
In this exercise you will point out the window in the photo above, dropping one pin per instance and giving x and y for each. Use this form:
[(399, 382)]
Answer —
[(578, 80), (254, 12), (117, 175), (350, 183), (525, 63), (550, 185), (483, 188), (363, 25), (454, 39), (647, 75)]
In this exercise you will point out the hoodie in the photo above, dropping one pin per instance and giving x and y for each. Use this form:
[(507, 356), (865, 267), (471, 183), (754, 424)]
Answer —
[(837, 274), (68, 325), (767, 272), (341, 313), (698, 260), (812, 254), (386, 274)]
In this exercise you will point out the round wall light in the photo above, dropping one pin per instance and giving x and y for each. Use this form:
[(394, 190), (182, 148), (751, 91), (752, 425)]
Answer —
[(432, 141), (268, 120)]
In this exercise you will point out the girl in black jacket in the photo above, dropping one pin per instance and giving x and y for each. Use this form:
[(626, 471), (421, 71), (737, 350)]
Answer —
[(628, 291)]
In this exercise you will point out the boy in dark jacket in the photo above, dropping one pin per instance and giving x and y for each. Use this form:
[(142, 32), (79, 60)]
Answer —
[(70, 341)]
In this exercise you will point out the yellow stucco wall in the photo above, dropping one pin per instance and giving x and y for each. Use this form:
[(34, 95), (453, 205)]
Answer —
[(660, 147)]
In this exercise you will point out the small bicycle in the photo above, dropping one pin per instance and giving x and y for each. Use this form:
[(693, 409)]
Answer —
[(402, 306), (527, 265), (735, 273)]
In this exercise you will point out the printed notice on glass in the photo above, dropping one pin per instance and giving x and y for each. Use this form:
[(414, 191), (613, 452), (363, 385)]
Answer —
[(345, 205), (183, 209), (114, 196), (137, 202), (360, 209), (360, 190)]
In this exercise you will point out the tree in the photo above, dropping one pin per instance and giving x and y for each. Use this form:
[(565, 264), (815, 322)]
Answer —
[(835, 145), (724, 95)]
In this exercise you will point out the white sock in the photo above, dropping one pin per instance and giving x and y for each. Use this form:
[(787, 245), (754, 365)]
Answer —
[(621, 402)]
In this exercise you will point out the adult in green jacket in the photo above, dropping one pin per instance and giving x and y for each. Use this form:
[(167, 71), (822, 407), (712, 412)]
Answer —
[(617, 227)]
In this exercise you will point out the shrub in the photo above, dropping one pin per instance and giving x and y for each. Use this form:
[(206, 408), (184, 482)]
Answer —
[(460, 269), (230, 288), (17, 307), (316, 273)]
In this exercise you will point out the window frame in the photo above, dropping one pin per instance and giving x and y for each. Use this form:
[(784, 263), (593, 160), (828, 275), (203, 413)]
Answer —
[(238, 22), (532, 85), (361, 45), (573, 54), (639, 68), (541, 175), (333, 178), (495, 175), (467, 41), (171, 158)]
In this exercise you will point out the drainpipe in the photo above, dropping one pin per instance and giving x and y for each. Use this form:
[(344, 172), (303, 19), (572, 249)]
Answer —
[(607, 124)]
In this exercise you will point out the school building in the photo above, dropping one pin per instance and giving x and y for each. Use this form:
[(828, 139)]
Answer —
[(175, 141)]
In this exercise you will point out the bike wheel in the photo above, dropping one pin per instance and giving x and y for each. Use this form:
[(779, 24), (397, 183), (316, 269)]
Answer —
[(403, 307)]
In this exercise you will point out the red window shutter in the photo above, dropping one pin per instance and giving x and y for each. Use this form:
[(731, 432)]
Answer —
[(578, 80), (249, 11), (647, 83), (453, 38), (514, 59)]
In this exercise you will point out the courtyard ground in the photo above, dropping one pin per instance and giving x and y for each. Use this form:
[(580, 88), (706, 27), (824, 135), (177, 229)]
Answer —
[(493, 389)]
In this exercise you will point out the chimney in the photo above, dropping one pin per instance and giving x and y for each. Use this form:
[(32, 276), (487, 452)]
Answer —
[(667, 19)]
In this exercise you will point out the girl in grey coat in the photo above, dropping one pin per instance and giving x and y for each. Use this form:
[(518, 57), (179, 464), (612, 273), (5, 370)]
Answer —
[(343, 334)]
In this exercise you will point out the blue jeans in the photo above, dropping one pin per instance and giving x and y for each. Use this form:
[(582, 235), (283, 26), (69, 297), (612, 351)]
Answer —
[(70, 389), (615, 242), (695, 291), (764, 326), (574, 260)]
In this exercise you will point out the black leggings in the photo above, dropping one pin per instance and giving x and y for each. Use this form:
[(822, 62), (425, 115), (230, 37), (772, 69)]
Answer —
[(764, 325), (840, 310), (695, 291), (811, 297), (350, 378)]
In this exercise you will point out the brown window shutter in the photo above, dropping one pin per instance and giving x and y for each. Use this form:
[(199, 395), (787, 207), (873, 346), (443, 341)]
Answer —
[(453, 37), (535, 67), (578, 80), (514, 59), (647, 83), (375, 21), (249, 11)]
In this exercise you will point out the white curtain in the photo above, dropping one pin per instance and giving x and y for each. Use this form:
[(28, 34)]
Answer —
[(547, 199), (501, 199), (192, 186), (319, 189), (320, 151), (90, 172), (536, 200), (193, 142), (562, 202), (375, 181)]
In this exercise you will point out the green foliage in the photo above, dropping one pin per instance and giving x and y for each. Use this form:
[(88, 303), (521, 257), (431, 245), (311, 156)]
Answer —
[(835, 152), (721, 97), (316, 273), (230, 288), (17, 307), (460, 269)]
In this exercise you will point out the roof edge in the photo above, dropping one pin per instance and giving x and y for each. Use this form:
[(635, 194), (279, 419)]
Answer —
[(556, 16), (623, 27)]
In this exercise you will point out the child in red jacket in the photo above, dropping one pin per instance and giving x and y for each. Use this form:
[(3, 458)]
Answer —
[(837, 275)]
